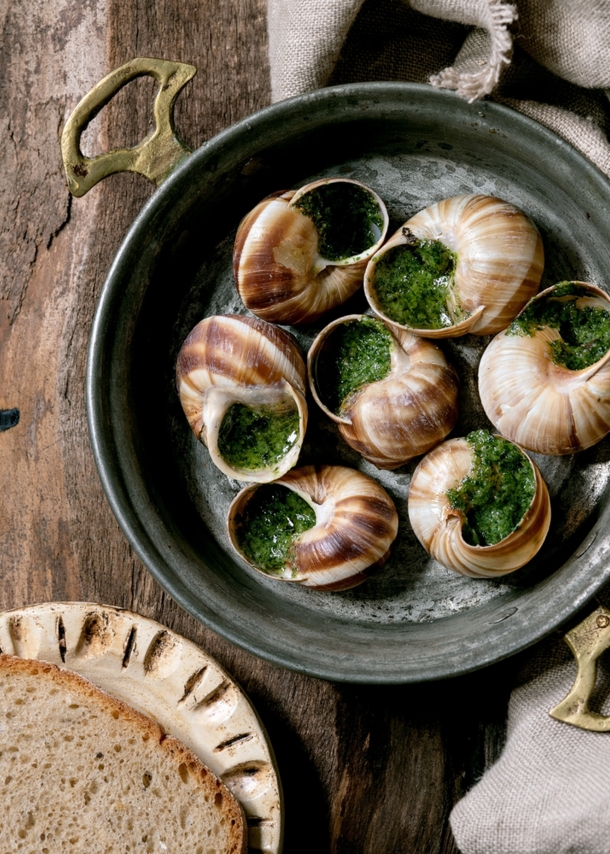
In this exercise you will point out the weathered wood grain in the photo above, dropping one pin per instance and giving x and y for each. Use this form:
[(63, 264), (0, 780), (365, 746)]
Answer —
[(364, 769)]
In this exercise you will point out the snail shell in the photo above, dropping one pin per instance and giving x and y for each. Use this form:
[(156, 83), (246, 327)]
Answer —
[(438, 526), (229, 359), (498, 267), (279, 272), (402, 416), (546, 407), (356, 523)]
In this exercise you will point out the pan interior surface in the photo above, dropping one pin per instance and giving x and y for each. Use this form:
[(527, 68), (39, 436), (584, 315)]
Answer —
[(413, 620)]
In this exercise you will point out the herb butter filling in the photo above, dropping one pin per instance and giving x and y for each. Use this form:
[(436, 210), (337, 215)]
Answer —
[(272, 520), (584, 330), (356, 353), (346, 216), (496, 493), (413, 284), (256, 438)]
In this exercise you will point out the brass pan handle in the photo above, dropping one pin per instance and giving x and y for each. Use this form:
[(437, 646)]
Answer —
[(156, 156), (587, 641)]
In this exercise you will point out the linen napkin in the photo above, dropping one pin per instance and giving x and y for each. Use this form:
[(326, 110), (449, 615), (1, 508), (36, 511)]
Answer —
[(549, 793), (549, 60)]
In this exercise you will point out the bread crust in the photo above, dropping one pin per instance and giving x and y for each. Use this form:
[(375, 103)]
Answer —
[(136, 724)]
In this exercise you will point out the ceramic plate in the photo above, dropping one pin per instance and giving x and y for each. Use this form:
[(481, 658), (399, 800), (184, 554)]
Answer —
[(169, 679)]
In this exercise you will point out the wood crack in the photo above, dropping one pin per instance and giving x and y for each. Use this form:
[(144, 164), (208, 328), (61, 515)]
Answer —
[(62, 224)]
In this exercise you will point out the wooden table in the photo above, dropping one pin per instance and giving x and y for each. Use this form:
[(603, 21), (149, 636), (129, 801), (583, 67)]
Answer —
[(364, 769)]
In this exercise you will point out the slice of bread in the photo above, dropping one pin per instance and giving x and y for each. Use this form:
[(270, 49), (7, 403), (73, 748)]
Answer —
[(82, 772)]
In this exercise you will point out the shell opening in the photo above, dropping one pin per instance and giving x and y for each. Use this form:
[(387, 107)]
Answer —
[(580, 319), (349, 218), (254, 438), (496, 493), (351, 353), (411, 282), (266, 526)]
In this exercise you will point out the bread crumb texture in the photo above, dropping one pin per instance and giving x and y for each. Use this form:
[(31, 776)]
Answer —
[(82, 772)]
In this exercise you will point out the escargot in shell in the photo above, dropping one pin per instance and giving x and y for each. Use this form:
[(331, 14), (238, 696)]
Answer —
[(241, 383), (300, 253), (466, 264), (321, 526), (545, 381), (392, 393), (479, 505)]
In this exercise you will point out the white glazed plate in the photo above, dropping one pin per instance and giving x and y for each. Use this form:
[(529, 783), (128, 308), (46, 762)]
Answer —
[(170, 679)]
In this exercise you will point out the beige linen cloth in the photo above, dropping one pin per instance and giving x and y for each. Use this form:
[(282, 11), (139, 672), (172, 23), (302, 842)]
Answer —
[(549, 793), (549, 59)]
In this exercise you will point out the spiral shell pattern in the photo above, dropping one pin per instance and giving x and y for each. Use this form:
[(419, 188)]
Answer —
[(356, 524), (545, 407), (278, 270), (230, 359), (404, 415), (438, 526), (500, 258)]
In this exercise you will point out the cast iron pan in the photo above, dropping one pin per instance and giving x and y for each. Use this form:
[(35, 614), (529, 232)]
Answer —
[(413, 620)]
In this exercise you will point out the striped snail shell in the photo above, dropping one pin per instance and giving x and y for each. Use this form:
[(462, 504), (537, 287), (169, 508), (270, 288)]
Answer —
[(292, 266), (439, 526), (230, 361), (489, 260), (353, 525), (535, 400), (400, 416)]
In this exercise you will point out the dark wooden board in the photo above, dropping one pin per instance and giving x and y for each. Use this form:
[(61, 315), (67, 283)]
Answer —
[(364, 769)]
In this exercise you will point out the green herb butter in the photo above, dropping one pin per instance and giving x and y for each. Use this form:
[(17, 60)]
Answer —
[(346, 216), (256, 438), (272, 520), (357, 352), (497, 491), (584, 330), (413, 284)]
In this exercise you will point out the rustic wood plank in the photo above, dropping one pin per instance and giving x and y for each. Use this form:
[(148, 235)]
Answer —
[(41, 363), (365, 769)]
